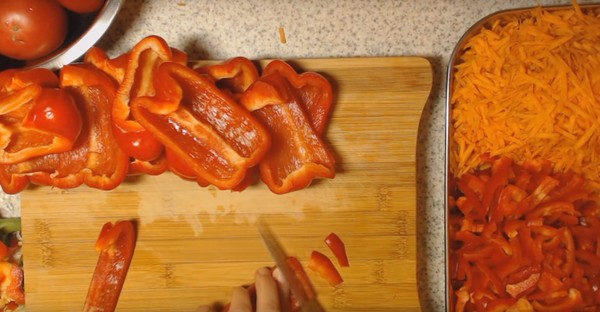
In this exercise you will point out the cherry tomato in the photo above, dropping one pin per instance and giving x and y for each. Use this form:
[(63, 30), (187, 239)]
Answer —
[(82, 6), (31, 29)]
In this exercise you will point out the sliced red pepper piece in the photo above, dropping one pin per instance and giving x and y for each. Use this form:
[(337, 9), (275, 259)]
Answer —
[(116, 243), (571, 302), (35, 118), (95, 159), (113, 67), (298, 155), (302, 277), (336, 245), (313, 89), (203, 126), (321, 264), (235, 75)]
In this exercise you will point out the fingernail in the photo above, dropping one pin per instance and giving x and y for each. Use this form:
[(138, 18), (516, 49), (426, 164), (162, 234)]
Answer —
[(264, 271)]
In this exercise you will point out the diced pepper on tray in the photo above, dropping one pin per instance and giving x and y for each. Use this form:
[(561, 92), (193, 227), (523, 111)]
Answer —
[(523, 235)]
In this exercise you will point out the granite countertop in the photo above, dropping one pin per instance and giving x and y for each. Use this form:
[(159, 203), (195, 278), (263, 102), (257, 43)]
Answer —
[(430, 28)]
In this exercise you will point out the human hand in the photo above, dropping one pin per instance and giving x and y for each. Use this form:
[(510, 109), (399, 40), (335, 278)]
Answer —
[(269, 293)]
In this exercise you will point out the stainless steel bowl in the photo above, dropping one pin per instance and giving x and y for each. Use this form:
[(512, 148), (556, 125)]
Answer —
[(84, 31)]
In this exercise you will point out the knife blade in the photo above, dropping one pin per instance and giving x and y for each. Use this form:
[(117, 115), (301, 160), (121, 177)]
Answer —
[(308, 303)]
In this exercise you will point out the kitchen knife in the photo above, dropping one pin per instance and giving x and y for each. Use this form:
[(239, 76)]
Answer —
[(307, 302)]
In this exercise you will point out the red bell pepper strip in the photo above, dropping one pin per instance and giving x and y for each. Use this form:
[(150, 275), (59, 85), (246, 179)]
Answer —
[(116, 244), (571, 302), (298, 155), (36, 118), (95, 159), (336, 245), (313, 90), (204, 127), (235, 75), (302, 277), (321, 264)]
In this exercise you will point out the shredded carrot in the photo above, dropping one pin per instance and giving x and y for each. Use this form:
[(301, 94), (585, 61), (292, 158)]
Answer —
[(530, 89), (282, 35)]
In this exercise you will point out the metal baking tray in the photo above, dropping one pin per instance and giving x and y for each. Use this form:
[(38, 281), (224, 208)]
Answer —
[(504, 16)]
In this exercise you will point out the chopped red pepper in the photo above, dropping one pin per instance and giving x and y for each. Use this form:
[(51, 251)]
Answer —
[(335, 243), (298, 155), (116, 243), (309, 289), (36, 117), (533, 245), (202, 126), (321, 264)]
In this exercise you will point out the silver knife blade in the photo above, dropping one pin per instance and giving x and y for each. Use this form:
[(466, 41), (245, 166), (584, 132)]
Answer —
[(280, 256)]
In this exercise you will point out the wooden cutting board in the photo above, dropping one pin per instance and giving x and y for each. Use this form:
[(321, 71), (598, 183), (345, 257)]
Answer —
[(195, 244)]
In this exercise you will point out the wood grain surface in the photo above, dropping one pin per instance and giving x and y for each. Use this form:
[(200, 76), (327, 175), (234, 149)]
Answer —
[(195, 244)]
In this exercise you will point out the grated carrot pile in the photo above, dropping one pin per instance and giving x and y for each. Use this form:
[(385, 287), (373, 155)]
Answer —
[(530, 89)]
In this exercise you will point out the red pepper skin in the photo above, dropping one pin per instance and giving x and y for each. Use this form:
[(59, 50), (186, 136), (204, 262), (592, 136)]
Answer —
[(36, 117), (336, 245), (95, 159), (203, 126), (113, 67), (143, 61), (321, 264), (298, 155), (116, 244), (235, 75), (302, 277), (313, 89)]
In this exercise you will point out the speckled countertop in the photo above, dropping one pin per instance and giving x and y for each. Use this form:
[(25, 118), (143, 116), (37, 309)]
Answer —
[(336, 28)]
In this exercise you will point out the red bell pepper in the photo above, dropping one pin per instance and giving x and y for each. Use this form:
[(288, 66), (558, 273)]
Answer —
[(321, 264), (313, 90), (95, 158), (336, 245), (202, 126), (36, 118), (298, 155), (116, 244), (113, 67), (235, 75), (138, 78)]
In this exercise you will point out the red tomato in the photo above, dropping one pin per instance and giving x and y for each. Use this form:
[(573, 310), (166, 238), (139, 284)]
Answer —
[(30, 29), (56, 112), (82, 6)]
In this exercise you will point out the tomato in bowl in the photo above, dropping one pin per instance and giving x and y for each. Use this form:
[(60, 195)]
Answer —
[(51, 33)]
